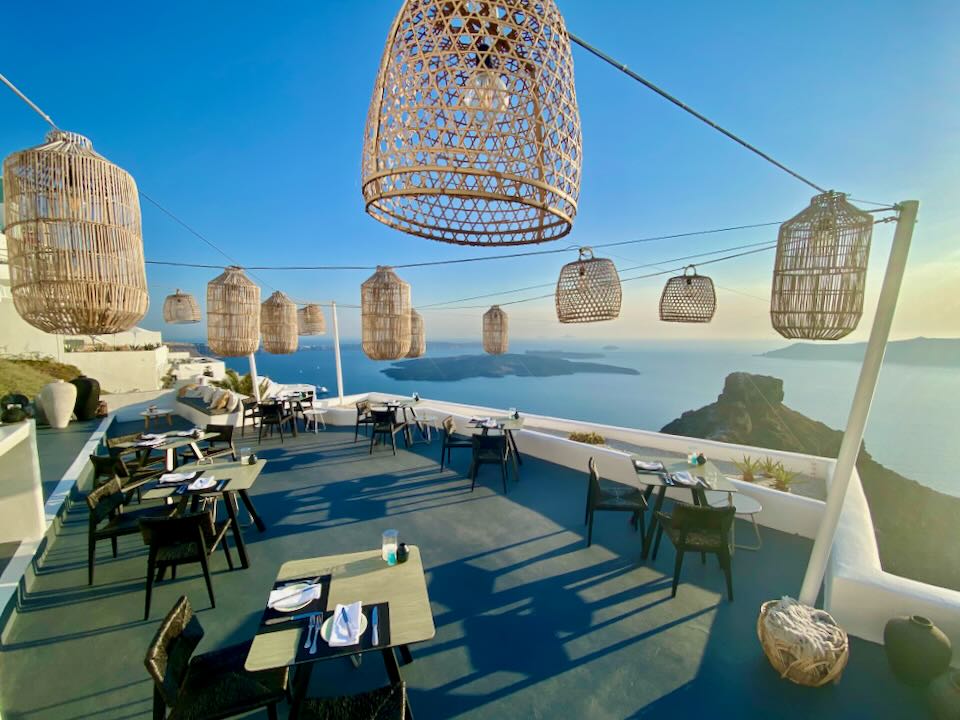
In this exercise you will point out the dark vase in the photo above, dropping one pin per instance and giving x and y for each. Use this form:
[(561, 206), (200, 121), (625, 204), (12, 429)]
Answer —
[(88, 397), (944, 696), (917, 650)]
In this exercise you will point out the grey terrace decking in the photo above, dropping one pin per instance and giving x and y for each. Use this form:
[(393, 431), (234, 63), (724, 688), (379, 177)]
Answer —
[(530, 622)]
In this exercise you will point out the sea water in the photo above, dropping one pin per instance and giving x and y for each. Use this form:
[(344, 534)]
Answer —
[(912, 427)]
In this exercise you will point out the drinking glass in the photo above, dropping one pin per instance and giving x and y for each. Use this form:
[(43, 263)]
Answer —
[(388, 547)]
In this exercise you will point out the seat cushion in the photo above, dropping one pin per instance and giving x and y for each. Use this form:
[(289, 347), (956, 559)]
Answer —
[(199, 404), (386, 703)]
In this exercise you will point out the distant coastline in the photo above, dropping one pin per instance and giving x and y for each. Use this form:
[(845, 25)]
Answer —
[(927, 352), (461, 367)]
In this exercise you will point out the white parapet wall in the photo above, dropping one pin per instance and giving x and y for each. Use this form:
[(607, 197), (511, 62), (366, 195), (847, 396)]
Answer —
[(123, 371)]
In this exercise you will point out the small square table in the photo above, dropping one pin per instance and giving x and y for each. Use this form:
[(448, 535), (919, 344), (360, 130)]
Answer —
[(506, 424), (149, 415)]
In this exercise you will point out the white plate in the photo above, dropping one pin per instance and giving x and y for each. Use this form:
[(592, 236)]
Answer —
[(327, 627), (295, 601)]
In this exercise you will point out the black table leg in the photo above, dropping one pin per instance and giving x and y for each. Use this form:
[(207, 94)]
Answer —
[(248, 504), (652, 527), (405, 655), (513, 444), (301, 683), (390, 662), (237, 534)]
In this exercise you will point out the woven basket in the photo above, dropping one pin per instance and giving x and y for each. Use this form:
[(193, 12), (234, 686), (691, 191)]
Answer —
[(181, 308), (418, 337), (473, 131), (496, 331), (233, 314), (820, 272), (385, 316), (588, 290), (278, 324), (688, 298), (310, 320), (809, 671), (74, 239)]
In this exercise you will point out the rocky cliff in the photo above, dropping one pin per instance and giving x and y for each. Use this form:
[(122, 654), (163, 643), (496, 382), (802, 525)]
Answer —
[(916, 527)]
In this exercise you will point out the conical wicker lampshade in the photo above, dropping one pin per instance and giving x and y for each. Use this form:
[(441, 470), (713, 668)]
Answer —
[(418, 337), (473, 132), (588, 290), (233, 314), (688, 298), (385, 316), (820, 272), (278, 324), (181, 309), (74, 240), (310, 320), (496, 331)]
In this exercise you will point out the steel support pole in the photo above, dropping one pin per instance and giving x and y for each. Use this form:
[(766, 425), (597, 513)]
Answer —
[(254, 377), (862, 398), (336, 353)]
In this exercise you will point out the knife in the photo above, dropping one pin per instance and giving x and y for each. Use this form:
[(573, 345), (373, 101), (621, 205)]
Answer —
[(375, 639), (291, 618)]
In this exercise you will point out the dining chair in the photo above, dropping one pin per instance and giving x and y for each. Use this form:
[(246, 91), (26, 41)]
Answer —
[(211, 685), (364, 418), (384, 703), (219, 446), (605, 495), (251, 412), (174, 541), (489, 450), (385, 424), (451, 440), (700, 529), (275, 415)]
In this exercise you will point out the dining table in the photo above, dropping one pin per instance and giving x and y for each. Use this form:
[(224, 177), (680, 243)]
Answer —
[(403, 406), (506, 424), (168, 444)]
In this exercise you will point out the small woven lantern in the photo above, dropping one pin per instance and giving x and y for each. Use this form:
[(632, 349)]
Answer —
[(688, 298), (181, 309), (74, 239), (385, 316), (588, 290), (473, 132), (418, 337), (496, 331), (310, 320), (233, 314), (278, 324), (820, 272)]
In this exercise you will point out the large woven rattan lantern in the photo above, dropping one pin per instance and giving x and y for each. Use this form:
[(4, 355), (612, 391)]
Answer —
[(473, 132), (820, 273), (588, 290), (688, 298), (496, 331), (74, 239), (385, 316), (310, 320), (233, 314), (418, 336), (278, 324), (181, 308)]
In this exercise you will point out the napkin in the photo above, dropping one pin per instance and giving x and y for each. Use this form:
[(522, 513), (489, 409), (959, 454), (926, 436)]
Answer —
[(204, 483), (152, 442), (302, 596), (153, 436), (684, 478), (490, 423), (649, 466), (177, 477), (346, 625)]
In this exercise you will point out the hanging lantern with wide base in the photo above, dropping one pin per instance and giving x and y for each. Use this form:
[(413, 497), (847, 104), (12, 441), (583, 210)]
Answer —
[(181, 309), (588, 290), (688, 298), (496, 331), (820, 272), (473, 132), (74, 240), (385, 307), (233, 314), (418, 337), (278, 324), (310, 320)]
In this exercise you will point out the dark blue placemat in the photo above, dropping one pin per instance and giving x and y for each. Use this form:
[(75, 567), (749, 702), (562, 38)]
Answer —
[(277, 620), (324, 651)]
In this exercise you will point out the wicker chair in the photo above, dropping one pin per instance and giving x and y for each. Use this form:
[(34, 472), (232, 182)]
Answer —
[(451, 440), (610, 495), (490, 450), (212, 685), (703, 530), (364, 418), (385, 703), (384, 423)]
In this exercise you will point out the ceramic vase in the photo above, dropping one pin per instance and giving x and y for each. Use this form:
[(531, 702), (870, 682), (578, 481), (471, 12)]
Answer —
[(944, 696), (88, 397), (917, 650), (58, 399)]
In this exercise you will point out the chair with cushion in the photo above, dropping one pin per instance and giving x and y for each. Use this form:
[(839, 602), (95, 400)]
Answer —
[(173, 541), (276, 415), (364, 418), (219, 446), (489, 450), (208, 686), (703, 530), (609, 495), (385, 703), (451, 440), (385, 424)]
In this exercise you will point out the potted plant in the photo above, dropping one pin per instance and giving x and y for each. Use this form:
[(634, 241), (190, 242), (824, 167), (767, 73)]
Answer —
[(590, 438), (782, 478), (769, 466), (748, 468)]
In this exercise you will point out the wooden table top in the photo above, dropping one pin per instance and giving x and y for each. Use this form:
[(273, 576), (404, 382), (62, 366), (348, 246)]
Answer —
[(708, 472), (355, 576), (241, 476), (504, 422), (170, 442)]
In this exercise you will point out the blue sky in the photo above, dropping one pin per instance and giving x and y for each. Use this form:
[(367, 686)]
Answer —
[(247, 123)]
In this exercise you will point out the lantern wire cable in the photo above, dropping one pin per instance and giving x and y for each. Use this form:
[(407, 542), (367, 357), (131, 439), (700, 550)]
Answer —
[(28, 101)]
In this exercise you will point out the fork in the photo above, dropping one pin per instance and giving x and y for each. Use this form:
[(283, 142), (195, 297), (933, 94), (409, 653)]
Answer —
[(310, 627), (316, 633)]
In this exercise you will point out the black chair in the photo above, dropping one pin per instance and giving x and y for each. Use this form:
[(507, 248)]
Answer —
[(251, 412), (610, 495), (385, 703), (108, 521), (218, 446), (451, 440), (385, 424), (364, 418), (212, 685), (703, 530), (179, 540), (303, 403), (275, 415), (490, 450)]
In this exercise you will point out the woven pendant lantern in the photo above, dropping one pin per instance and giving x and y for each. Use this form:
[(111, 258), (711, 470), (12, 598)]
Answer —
[(181, 309), (310, 320), (820, 272), (74, 239), (278, 324), (588, 290), (688, 298), (473, 132), (418, 337), (233, 314), (496, 331), (385, 316)]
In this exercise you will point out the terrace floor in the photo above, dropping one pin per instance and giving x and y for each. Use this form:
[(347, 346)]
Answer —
[(530, 622)]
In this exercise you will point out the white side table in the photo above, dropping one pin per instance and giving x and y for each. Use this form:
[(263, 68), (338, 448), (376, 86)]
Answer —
[(315, 416), (744, 506)]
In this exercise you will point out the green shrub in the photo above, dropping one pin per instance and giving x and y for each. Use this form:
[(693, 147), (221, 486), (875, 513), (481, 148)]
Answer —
[(748, 468), (590, 438)]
